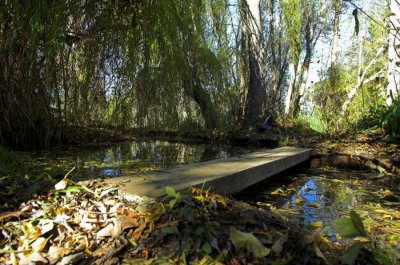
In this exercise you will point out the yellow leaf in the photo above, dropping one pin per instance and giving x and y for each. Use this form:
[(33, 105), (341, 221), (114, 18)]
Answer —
[(387, 216), (298, 201), (132, 242), (316, 224), (314, 205), (387, 193), (362, 239)]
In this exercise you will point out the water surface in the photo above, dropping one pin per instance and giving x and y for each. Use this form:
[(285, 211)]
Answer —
[(118, 159), (316, 197)]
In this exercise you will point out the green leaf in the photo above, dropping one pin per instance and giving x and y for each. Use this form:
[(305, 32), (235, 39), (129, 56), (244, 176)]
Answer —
[(170, 191), (70, 189), (357, 222), (351, 256), (247, 241), (350, 227), (168, 230), (172, 203), (206, 248)]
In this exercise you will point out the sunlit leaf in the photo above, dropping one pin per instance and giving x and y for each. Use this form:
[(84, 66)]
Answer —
[(278, 192), (316, 224), (172, 203), (70, 189), (170, 191), (314, 205), (61, 185), (39, 244), (298, 201), (247, 241)]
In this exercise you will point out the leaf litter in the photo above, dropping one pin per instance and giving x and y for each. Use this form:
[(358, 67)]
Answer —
[(95, 224)]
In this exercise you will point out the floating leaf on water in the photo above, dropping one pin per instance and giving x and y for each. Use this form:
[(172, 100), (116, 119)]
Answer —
[(247, 241), (314, 205), (350, 227), (278, 192), (387, 193), (362, 239), (316, 224), (298, 201), (356, 219)]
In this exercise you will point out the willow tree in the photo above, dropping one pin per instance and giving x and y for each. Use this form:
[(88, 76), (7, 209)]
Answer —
[(109, 63), (292, 17)]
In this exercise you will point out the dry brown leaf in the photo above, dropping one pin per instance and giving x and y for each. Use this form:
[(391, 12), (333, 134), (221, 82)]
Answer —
[(138, 231)]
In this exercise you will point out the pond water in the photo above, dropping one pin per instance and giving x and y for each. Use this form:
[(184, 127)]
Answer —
[(118, 159), (314, 198)]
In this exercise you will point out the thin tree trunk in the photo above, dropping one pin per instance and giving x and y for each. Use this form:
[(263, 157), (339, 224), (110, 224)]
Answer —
[(362, 80), (393, 86), (292, 84)]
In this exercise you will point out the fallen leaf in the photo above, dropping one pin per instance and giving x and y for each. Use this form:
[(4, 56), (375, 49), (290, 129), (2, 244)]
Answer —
[(278, 245), (319, 253), (247, 241), (314, 205), (351, 255), (61, 185), (298, 201), (71, 259), (316, 224), (56, 253), (39, 244)]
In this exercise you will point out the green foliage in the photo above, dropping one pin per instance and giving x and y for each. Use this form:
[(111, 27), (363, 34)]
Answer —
[(314, 121), (172, 193), (391, 119)]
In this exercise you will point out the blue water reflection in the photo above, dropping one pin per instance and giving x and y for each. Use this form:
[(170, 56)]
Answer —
[(319, 195)]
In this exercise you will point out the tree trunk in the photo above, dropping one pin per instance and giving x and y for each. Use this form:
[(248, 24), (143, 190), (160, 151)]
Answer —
[(393, 86), (256, 92), (292, 84)]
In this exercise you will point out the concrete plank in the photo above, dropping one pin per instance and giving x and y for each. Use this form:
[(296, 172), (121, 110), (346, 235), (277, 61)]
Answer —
[(223, 175)]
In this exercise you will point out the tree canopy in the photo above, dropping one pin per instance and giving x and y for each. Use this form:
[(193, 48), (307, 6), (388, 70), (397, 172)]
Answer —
[(171, 65)]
